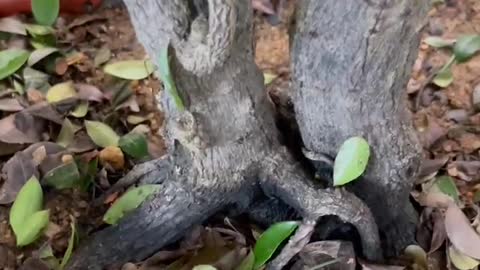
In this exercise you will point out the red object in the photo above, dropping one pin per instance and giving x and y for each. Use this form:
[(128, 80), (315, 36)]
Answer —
[(12, 7)]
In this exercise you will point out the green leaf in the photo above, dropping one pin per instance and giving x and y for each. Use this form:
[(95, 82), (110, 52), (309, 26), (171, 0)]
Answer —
[(247, 262), (270, 240), (351, 160), (439, 42), (68, 252), (29, 200), (466, 47), (130, 69), (65, 137), (11, 60), (447, 186), (81, 110), (167, 79), (36, 30), (443, 78), (32, 228), (63, 176), (460, 260), (268, 78), (61, 92), (128, 202), (134, 144), (101, 134), (88, 171), (45, 11)]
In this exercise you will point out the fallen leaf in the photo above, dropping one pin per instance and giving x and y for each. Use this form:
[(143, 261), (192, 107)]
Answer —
[(461, 233), (32, 263), (46, 111), (81, 20), (81, 110), (439, 233), (134, 144), (136, 119), (466, 46), (447, 186), (61, 92), (371, 266), (101, 134), (63, 177), (112, 156), (461, 261), (65, 137), (270, 240), (130, 69), (443, 78), (89, 92), (69, 251), (439, 42), (268, 78), (264, 6), (128, 202), (11, 60), (35, 80), (39, 155), (12, 25), (52, 230), (431, 166), (39, 30), (338, 254), (102, 56), (10, 105), (81, 143), (247, 262), (17, 171), (39, 54), (432, 199), (469, 142)]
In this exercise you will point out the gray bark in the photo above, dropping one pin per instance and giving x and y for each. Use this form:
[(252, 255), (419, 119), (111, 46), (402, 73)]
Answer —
[(229, 157), (351, 63)]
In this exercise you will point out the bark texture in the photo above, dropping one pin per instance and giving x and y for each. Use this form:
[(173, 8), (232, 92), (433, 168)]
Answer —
[(351, 63), (224, 150)]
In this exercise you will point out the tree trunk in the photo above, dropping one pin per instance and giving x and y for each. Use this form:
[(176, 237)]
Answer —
[(351, 64), (224, 150)]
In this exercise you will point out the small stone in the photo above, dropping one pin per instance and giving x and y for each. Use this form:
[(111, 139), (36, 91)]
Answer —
[(476, 97)]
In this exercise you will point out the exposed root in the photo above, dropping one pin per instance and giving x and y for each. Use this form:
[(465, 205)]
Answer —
[(283, 180)]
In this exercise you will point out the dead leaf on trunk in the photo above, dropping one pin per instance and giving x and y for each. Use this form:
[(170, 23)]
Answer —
[(16, 173), (461, 233)]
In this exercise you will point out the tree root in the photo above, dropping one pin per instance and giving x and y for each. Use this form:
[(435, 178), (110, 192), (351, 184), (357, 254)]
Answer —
[(178, 207)]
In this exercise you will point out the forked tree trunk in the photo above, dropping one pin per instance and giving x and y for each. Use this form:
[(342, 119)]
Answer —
[(224, 149), (351, 63)]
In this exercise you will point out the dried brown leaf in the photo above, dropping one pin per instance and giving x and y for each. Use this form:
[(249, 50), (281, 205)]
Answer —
[(16, 173), (20, 128), (461, 233), (10, 105), (89, 92), (439, 233), (112, 156), (12, 25)]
